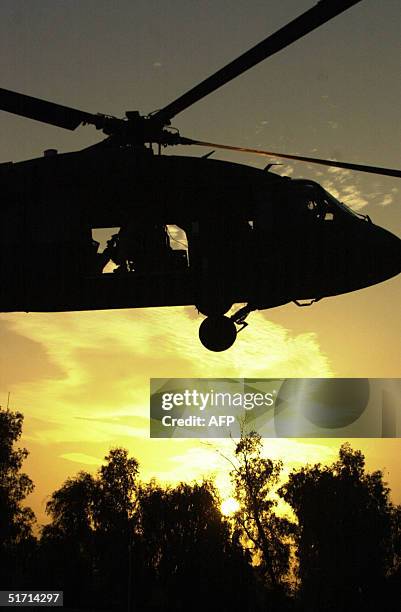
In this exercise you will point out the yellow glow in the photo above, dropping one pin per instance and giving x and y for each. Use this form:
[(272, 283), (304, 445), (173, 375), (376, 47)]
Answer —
[(82, 382), (229, 506)]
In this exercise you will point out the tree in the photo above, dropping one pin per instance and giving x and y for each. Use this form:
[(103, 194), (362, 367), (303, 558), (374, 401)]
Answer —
[(67, 543), (116, 501), (89, 538), (115, 520), (255, 479), (345, 536), (16, 521), (189, 557), (71, 508), (118, 543), (394, 572)]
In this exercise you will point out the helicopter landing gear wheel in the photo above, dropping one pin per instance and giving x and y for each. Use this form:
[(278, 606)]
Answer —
[(214, 308), (217, 333)]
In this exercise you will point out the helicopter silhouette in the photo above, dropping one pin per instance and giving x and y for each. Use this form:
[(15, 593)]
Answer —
[(253, 237)]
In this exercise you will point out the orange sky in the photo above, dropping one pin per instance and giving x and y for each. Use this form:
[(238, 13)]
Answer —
[(82, 382)]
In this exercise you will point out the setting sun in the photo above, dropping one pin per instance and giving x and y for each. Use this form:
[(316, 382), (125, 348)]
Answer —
[(229, 506)]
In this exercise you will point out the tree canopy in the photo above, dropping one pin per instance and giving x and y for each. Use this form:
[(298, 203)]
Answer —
[(16, 520), (345, 541), (255, 480)]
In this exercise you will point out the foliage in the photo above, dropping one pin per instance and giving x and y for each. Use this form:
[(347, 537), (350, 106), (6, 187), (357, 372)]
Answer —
[(255, 479), (90, 533), (116, 543), (116, 491), (187, 547), (15, 486), (346, 536), (71, 508), (16, 521)]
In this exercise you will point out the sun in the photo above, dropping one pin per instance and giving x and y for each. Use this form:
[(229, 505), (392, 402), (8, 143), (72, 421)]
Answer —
[(229, 506)]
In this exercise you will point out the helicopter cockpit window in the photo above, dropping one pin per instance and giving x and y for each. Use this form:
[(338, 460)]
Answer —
[(313, 203), (334, 203), (320, 204)]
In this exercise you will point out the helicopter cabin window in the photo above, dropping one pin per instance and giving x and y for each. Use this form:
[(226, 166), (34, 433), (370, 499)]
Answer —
[(102, 241), (178, 243), (177, 237), (139, 249)]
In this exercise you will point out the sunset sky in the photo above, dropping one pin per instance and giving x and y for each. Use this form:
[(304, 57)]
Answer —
[(82, 379)]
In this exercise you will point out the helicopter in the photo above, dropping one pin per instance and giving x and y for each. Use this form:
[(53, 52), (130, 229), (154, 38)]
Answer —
[(253, 237)]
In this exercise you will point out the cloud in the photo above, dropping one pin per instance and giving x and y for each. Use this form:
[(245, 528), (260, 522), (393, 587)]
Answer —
[(283, 169), (387, 199), (23, 359), (345, 186), (82, 458), (351, 188), (215, 458), (98, 395), (104, 361)]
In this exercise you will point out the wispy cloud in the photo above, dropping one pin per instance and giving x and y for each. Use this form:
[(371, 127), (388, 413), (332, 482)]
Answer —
[(82, 458), (97, 394), (345, 187), (105, 360)]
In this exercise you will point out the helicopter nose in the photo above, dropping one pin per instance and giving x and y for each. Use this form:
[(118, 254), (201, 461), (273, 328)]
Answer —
[(385, 254)]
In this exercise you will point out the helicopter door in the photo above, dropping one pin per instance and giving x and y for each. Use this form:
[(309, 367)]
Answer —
[(218, 255), (52, 241), (318, 254), (13, 254), (295, 233)]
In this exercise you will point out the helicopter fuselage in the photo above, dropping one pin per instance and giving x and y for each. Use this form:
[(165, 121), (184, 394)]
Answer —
[(253, 236)]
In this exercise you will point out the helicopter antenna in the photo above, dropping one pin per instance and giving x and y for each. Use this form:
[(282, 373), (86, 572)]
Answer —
[(207, 155), (267, 168)]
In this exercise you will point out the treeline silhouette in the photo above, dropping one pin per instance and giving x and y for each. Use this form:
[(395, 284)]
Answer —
[(116, 543)]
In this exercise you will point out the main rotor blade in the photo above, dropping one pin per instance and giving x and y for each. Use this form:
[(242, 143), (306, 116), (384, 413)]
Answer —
[(312, 160), (46, 112), (296, 29)]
